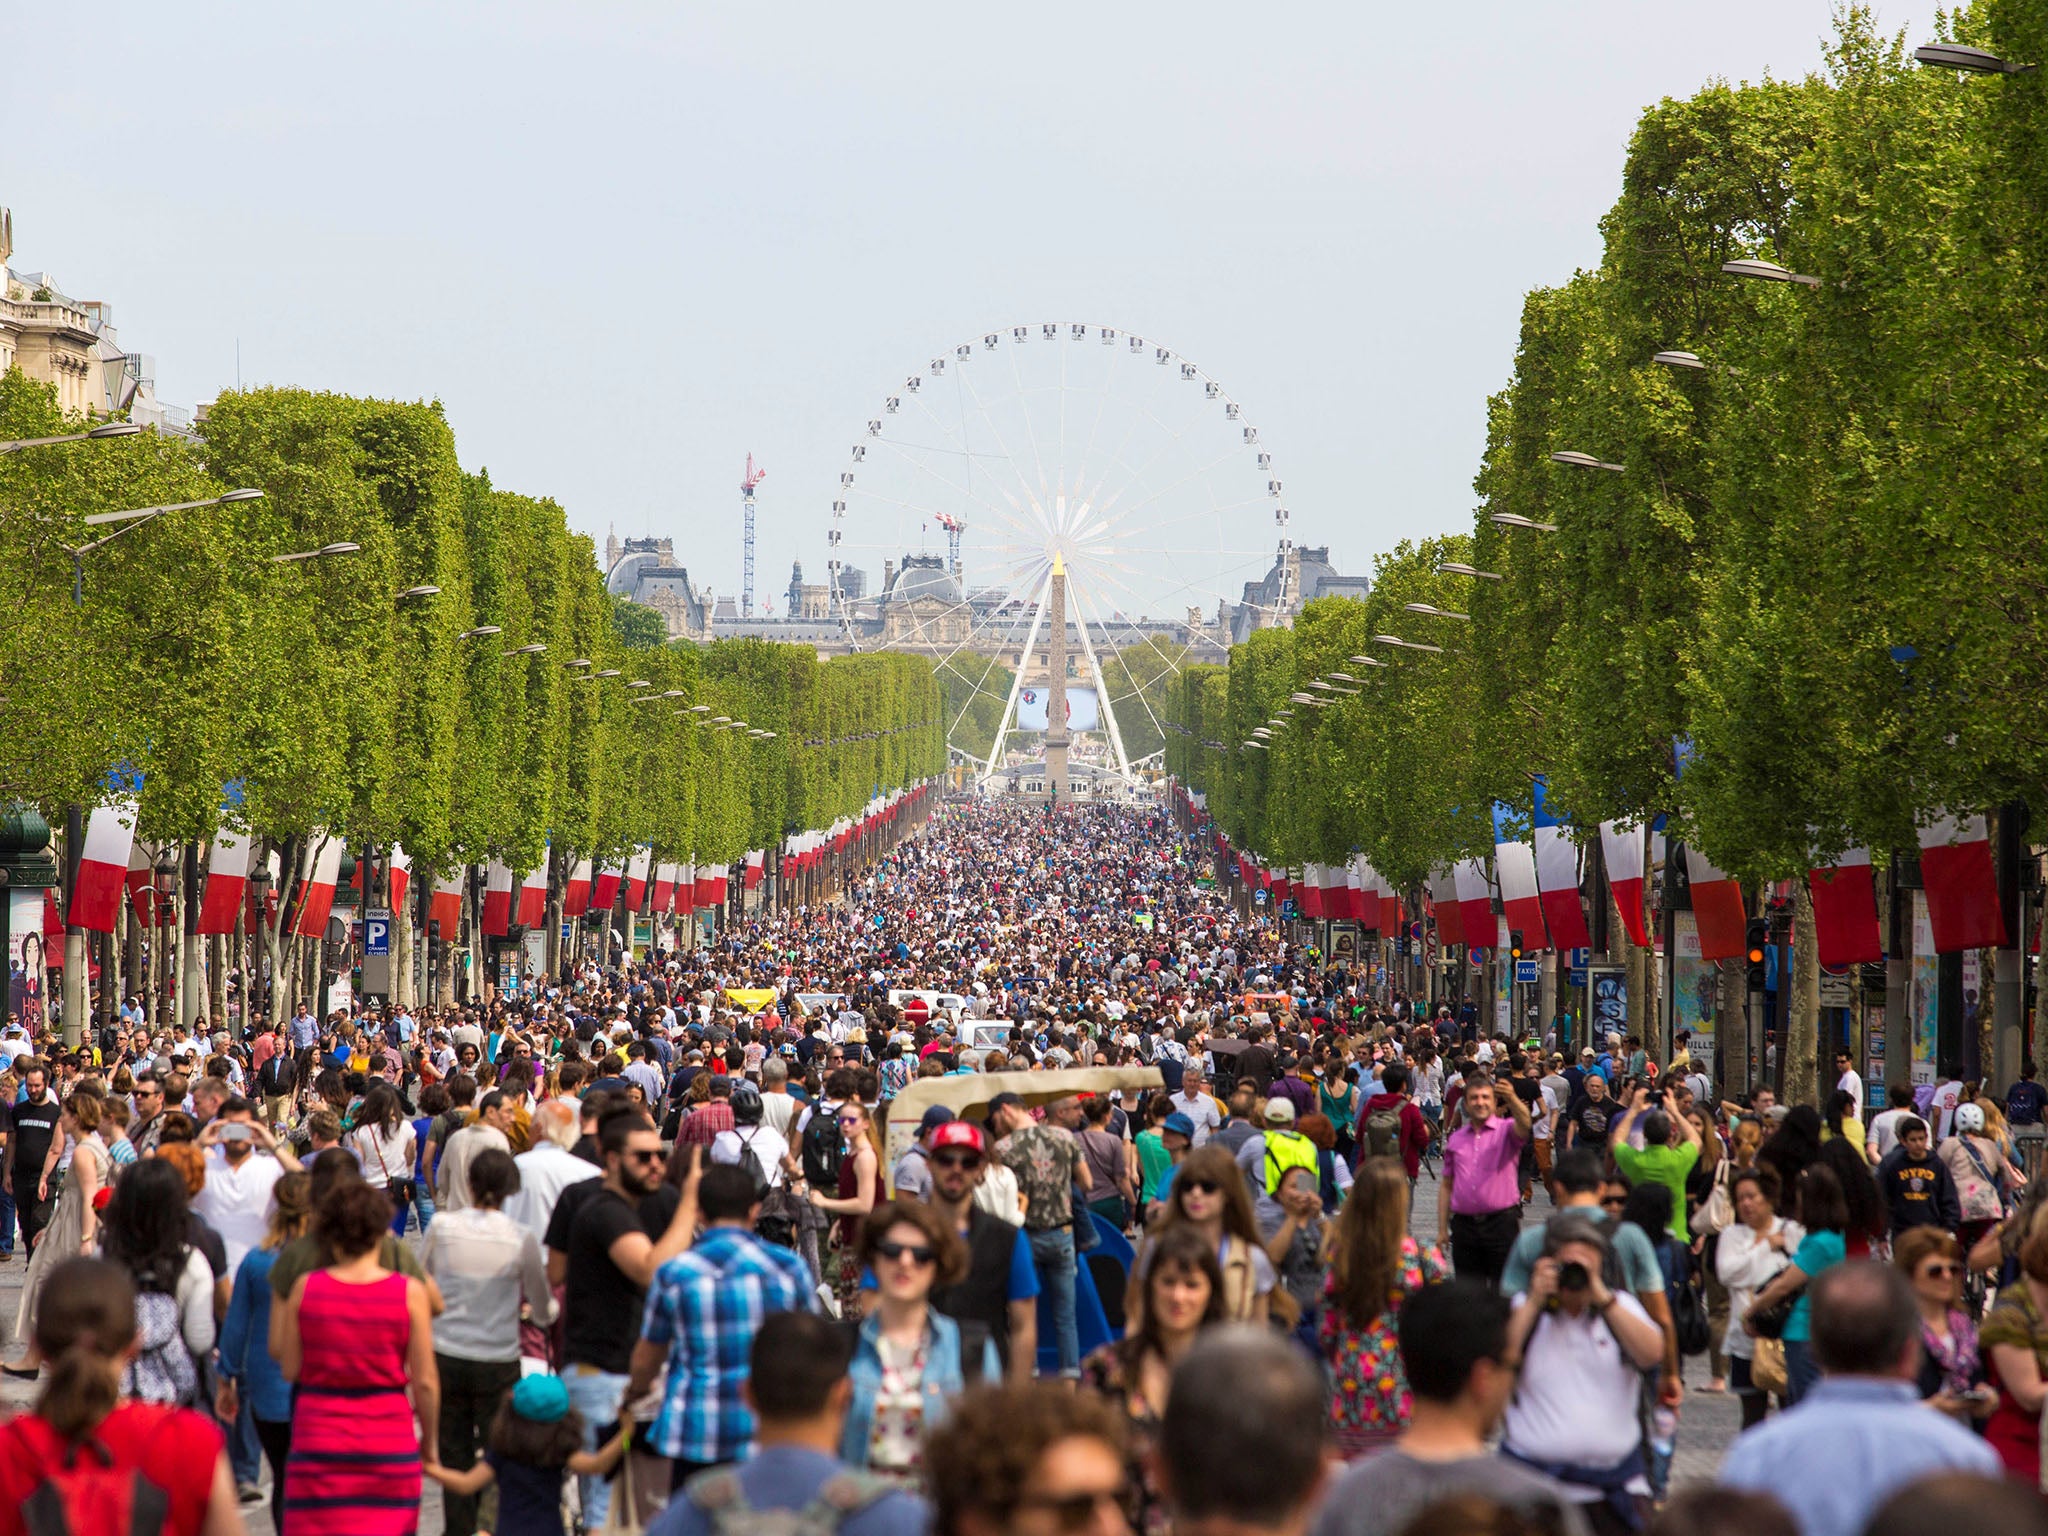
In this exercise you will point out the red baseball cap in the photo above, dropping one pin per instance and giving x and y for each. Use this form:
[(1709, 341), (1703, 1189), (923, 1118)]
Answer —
[(958, 1133)]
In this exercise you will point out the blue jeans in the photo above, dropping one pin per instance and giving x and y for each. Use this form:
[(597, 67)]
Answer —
[(596, 1395), (245, 1452), (1801, 1370), (6, 1223), (1052, 1251)]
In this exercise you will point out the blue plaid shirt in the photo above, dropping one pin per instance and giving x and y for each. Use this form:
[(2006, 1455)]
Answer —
[(706, 1305)]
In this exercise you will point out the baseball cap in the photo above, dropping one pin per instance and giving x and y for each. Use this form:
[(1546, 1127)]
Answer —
[(1179, 1124), (934, 1117), (542, 1398), (1279, 1111), (957, 1133)]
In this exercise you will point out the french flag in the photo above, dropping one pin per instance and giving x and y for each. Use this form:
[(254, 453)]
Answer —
[(102, 866), (1443, 901), (576, 896), (141, 883), (636, 878), (1962, 886), (1557, 877), (445, 907), (1845, 911), (1716, 907), (227, 880), (664, 888), (706, 889), (757, 866), (1390, 905), (1312, 890), (316, 887), (533, 896), (1475, 903), (401, 876), (1515, 863), (498, 901), (1621, 846), (604, 889)]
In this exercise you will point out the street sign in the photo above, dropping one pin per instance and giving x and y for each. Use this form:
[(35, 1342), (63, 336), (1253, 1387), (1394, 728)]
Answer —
[(1578, 960), (1576, 977), (377, 933), (1528, 972)]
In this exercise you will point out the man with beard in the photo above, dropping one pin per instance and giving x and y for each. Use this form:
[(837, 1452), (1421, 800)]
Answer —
[(609, 1256), (1001, 1288), (1591, 1116)]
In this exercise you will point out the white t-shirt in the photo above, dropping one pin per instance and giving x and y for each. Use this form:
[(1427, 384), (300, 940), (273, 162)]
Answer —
[(1852, 1084), (1577, 1399), (1883, 1129), (769, 1145), (1942, 1108), (236, 1201)]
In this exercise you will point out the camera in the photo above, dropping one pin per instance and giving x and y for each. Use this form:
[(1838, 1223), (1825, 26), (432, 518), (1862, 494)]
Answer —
[(1572, 1276)]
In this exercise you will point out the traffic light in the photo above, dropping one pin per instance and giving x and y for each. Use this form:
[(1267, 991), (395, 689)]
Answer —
[(1754, 950), (1514, 943)]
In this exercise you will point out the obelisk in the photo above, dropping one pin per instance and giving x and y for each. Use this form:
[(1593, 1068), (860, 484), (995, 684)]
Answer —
[(1056, 738)]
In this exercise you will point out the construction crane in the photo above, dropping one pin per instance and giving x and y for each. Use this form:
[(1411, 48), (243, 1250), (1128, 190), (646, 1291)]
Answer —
[(954, 528), (754, 478)]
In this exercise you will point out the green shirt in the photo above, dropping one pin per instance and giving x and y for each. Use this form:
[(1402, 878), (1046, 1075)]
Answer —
[(302, 1255), (1153, 1162), (1661, 1165)]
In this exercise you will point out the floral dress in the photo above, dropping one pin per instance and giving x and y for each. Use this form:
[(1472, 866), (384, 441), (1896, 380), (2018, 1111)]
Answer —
[(1106, 1373), (1369, 1399)]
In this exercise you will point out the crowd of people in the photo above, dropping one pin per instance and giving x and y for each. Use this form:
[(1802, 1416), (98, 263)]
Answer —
[(656, 1244)]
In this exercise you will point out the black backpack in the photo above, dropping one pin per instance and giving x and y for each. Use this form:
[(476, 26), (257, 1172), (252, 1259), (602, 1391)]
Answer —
[(823, 1148)]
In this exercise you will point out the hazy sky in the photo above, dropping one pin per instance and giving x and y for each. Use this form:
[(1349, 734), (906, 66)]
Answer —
[(627, 243)]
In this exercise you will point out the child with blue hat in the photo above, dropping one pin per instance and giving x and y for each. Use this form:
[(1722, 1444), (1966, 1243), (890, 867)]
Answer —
[(536, 1440)]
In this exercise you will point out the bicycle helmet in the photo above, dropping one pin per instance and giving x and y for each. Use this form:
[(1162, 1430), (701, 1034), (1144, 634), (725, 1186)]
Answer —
[(1969, 1120), (747, 1108)]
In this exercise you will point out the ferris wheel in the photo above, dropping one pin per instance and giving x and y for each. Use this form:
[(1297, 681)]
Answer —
[(1058, 444)]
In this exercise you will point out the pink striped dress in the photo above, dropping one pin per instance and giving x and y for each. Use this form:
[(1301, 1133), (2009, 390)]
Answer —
[(354, 1467)]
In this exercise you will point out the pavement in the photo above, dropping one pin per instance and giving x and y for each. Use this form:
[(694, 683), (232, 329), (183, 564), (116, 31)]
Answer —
[(1707, 1423)]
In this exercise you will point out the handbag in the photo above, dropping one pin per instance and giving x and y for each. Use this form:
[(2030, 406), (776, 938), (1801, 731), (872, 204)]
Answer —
[(1770, 1323), (1719, 1210), (402, 1191), (622, 1518), (1767, 1367)]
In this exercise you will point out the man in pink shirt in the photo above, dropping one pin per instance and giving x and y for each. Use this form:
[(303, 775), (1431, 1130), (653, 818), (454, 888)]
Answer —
[(1479, 1208)]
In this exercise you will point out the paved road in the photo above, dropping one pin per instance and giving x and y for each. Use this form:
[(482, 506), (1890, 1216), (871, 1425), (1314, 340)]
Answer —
[(1706, 1426)]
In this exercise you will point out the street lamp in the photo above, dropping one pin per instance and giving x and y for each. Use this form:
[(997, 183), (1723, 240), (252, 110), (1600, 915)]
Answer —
[(1407, 645), (580, 661), (1435, 613), (700, 709), (343, 548), (1516, 520), (480, 631), (1457, 568), (1578, 460), (425, 589), (1767, 271), (527, 650), (131, 520), (1971, 61), (1366, 661), (107, 429), (639, 682), (1678, 359), (607, 672)]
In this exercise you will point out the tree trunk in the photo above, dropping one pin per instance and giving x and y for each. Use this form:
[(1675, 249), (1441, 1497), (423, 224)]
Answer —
[(1802, 1043)]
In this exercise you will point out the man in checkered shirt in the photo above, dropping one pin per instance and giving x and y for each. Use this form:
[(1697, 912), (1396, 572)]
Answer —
[(703, 1310)]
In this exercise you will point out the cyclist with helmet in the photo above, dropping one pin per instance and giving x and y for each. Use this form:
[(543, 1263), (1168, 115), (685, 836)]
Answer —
[(1984, 1176)]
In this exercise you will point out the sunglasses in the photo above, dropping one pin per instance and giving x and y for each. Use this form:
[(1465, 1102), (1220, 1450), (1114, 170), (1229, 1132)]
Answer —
[(917, 1253), (1941, 1271), (1201, 1186), (656, 1156), (852, 1121), (967, 1160), (1614, 1200), (1073, 1512)]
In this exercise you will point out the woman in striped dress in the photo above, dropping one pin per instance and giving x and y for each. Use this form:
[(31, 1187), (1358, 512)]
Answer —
[(354, 1336)]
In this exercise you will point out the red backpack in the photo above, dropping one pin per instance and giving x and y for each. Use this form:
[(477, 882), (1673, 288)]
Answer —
[(87, 1495)]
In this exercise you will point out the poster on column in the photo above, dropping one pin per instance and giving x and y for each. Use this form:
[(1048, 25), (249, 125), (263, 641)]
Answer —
[(1695, 987), (1924, 991), (1083, 712)]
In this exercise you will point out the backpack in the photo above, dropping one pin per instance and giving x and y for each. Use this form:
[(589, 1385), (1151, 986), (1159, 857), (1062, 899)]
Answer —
[(1688, 1306), (750, 1160), (1382, 1130), (729, 1513), (823, 1148), (162, 1370), (87, 1495)]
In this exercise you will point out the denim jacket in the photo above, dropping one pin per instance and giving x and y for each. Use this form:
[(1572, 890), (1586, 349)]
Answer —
[(245, 1341), (943, 1380)]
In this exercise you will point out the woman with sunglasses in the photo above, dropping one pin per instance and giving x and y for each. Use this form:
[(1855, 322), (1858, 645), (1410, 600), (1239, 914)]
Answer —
[(860, 1166), (1751, 1251), (1208, 1193), (1951, 1366), (910, 1361), (1183, 1295)]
